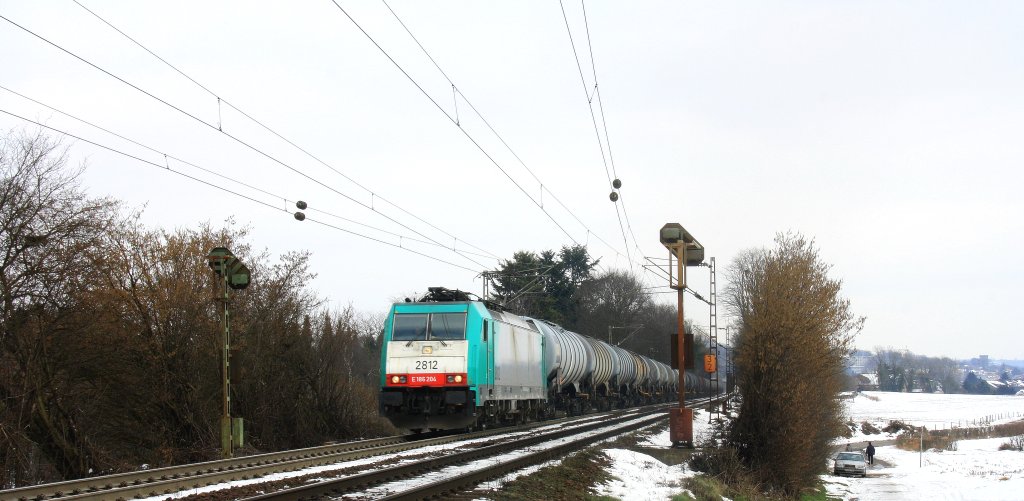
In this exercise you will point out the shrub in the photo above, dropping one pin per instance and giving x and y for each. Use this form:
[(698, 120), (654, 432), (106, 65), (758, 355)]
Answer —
[(705, 488), (1008, 429), (796, 332), (869, 429), (897, 427), (912, 442), (721, 462), (1015, 444), (851, 428)]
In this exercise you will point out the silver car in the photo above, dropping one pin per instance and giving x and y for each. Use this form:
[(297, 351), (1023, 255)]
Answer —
[(851, 463)]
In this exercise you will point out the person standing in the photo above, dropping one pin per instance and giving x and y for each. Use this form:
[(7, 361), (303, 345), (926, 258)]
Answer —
[(871, 453)]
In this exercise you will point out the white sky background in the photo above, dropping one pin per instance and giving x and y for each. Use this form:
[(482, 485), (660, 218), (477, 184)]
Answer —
[(889, 132)]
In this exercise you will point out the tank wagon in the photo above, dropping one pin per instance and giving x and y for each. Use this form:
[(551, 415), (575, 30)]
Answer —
[(451, 362)]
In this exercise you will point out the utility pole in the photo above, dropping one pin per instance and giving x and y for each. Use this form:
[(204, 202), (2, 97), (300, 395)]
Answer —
[(686, 251)]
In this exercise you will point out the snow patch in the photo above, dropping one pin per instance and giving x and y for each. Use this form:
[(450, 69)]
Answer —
[(639, 476)]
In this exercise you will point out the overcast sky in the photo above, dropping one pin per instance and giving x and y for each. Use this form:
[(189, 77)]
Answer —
[(892, 133)]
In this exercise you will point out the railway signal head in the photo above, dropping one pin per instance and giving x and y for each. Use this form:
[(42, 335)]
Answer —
[(673, 235), (226, 265)]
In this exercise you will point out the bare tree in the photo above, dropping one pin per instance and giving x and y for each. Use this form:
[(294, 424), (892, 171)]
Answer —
[(50, 231), (614, 298), (109, 342)]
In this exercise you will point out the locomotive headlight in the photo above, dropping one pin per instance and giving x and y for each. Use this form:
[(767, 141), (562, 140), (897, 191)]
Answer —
[(394, 379), (458, 378)]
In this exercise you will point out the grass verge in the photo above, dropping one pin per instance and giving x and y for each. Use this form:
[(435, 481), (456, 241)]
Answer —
[(572, 479)]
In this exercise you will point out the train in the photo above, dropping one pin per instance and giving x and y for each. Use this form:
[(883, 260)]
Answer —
[(449, 361)]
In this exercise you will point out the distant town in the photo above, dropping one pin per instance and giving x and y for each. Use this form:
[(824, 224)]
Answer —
[(903, 371)]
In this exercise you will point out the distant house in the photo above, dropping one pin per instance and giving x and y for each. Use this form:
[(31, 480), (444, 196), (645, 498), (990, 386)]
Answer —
[(995, 385), (861, 362), (867, 382), (1015, 385)]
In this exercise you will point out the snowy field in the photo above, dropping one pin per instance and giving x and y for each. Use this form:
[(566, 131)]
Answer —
[(976, 471), (934, 410)]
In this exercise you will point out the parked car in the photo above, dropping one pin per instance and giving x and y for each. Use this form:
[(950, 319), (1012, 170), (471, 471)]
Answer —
[(851, 463)]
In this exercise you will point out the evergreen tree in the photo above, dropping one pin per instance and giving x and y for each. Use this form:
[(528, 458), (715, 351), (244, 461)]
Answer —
[(544, 285)]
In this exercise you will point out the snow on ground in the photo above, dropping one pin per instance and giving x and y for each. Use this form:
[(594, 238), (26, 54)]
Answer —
[(640, 476), (368, 462), (934, 410), (976, 471), (388, 488)]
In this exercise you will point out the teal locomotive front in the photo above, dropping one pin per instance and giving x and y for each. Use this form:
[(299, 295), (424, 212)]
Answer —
[(456, 364), (429, 361)]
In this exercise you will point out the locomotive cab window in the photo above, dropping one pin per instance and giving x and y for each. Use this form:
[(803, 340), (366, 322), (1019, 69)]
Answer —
[(448, 326), (409, 327), (423, 326)]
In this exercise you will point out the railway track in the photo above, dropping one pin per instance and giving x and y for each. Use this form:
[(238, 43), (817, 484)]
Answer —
[(174, 478), (477, 464), (169, 480), (445, 476)]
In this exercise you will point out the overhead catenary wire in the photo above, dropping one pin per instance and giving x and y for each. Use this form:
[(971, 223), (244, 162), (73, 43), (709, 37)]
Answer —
[(227, 190), (604, 123), (593, 118), (501, 138), (374, 195), (225, 177), (526, 288), (455, 121), (238, 140)]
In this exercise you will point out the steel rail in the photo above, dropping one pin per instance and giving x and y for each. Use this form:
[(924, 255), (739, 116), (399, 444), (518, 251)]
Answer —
[(458, 483), (465, 481), (168, 480), (95, 485), (337, 487)]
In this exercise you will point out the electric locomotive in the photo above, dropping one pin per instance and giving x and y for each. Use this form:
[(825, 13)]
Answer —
[(448, 361), (451, 362)]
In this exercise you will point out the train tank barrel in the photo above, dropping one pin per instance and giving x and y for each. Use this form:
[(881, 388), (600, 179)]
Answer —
[(629, 371), (568, 357), (604, 363), (651, 376)]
